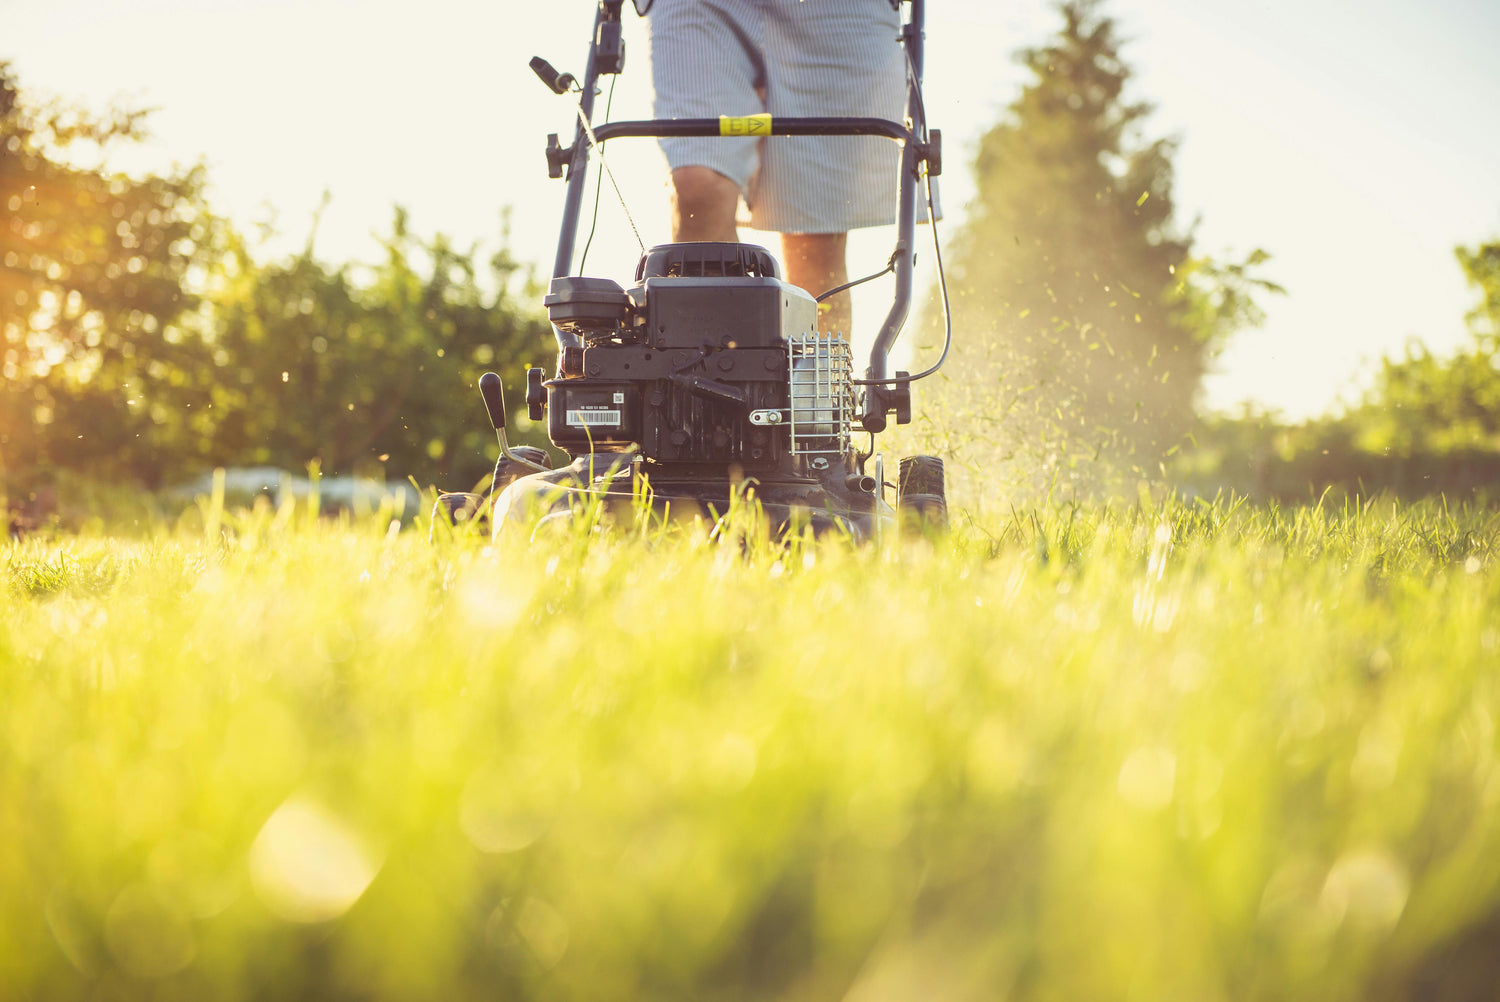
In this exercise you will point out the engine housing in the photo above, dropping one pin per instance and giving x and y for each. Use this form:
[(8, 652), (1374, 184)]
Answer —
[(711, 359)]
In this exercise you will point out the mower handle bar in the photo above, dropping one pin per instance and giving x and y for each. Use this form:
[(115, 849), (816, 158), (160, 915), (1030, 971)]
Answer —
[(773, 126)]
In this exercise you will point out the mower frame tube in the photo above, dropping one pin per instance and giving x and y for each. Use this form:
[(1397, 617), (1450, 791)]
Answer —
[(913, 37), (609, 10)]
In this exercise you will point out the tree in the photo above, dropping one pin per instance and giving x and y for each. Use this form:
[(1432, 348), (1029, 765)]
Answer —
[(1423, 403), (1429, 424), (1482, 268), (1084, 324), (366, 376), (92, 272), (142, 340)]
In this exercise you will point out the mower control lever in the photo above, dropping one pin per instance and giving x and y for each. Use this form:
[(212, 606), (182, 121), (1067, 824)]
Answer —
[(560, 83), (494, 399)]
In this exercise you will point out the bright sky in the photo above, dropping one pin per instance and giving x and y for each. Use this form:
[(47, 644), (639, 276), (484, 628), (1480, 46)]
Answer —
[(1356, 140)]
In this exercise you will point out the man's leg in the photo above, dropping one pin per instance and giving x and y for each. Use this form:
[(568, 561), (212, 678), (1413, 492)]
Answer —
[(816, 262), (703, 205), (703, 208)]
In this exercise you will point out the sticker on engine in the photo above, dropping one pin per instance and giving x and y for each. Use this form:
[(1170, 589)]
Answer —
[(586, 418), (745, 125)]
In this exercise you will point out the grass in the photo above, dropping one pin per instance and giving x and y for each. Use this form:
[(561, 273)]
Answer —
[(1189, 750)]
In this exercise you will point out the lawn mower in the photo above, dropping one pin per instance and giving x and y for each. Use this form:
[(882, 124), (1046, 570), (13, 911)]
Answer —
[(708, 382)]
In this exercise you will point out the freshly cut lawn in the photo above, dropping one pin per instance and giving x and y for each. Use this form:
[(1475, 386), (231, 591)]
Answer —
[(1195, 751)]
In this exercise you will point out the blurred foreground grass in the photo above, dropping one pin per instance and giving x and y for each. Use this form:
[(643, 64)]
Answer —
[(1186, 751)]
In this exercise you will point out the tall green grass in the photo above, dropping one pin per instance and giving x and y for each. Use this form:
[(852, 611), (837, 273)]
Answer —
[(1178, 751)]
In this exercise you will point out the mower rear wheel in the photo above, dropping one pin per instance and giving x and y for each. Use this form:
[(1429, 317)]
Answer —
[(507, 472), (459, 508), (921, 495)]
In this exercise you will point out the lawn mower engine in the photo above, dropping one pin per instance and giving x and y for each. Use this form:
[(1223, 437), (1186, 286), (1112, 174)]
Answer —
[(710, 371)]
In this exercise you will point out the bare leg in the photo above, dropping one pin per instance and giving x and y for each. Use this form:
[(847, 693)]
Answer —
[(703, 204), (703, 207), (816, 262)]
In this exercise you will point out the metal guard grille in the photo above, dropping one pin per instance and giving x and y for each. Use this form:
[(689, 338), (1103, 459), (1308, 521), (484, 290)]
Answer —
[(822, 396)]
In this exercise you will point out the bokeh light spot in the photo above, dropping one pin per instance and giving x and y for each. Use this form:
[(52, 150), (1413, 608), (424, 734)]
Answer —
[(147, 935), (1147, 778), (545, 930), (493, 816), (1368, 888), (307, 865)]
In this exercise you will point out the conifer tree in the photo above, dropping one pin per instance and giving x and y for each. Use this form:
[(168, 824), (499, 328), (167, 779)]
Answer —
[(1081, 333)]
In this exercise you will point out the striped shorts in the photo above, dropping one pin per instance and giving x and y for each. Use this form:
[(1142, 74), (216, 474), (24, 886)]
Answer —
[(789, 58)]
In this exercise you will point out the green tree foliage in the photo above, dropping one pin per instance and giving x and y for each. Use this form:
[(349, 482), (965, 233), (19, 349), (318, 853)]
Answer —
[(1482, 268), (365, 374), (144, 341), (1424, 403), (93, 267), (1083, 322), (1429, 424)]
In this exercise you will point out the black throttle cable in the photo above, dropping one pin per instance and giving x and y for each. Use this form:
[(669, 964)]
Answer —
[(890, 266)]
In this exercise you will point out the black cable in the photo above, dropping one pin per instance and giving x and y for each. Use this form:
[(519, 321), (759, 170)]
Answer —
[(937, 251), (943, 288), (889, 267), (599, 177)]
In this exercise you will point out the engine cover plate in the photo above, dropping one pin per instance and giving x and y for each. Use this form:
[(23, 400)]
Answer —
[(591, 416)]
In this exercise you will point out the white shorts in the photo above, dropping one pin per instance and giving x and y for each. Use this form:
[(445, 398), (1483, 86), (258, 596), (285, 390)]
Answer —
[(789, 58)]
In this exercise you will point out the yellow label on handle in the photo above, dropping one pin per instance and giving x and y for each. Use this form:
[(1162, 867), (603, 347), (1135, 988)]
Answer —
[(745, 125)]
